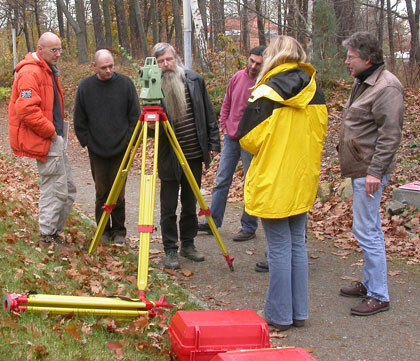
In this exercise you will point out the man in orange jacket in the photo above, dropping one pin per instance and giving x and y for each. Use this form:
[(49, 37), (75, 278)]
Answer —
[(37, 130)]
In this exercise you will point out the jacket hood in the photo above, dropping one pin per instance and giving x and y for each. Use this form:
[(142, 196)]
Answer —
[(33, 59), (290, 84)]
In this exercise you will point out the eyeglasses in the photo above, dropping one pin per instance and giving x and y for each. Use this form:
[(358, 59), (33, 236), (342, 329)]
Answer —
[(350, 57), (55, 50)]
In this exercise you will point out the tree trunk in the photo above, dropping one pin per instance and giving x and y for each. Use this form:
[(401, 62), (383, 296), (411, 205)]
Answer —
[(218, 22), (244, 28), (25, 31), (309, 30), (260, 23), (68, 27), (178, 26), (279, 18), (134, 32), (154, 21), (203, 10), (82, 53), (122, 25), (200, 37), (380, 31), (60, 19), (344, 13), (107, 22), (97, 24), (390, 35), (36, 11), (80, 16), (142, 34), (413, 20)]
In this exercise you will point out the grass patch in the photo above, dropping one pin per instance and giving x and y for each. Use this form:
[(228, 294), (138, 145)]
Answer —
[(111, 270)]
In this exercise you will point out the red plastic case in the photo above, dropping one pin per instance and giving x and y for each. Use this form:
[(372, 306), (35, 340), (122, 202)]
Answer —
[(201, 335), (284, 354)]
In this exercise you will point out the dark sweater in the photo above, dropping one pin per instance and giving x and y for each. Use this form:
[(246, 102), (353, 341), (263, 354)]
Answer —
[(105, 114)]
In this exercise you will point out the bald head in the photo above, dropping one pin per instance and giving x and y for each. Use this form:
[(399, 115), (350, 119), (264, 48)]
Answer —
[(102, 53), (49, 48), (103, 64)]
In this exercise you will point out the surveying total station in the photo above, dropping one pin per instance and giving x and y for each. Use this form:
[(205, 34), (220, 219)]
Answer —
[(151, 96)]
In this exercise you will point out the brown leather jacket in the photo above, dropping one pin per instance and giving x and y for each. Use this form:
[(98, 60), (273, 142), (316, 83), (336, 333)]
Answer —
[(372, 125)]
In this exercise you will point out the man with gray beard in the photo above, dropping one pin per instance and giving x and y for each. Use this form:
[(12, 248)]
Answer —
[(190, 113)]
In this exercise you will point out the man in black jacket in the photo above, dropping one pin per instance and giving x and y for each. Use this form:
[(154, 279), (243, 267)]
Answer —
[(190, 113), (105, 114)]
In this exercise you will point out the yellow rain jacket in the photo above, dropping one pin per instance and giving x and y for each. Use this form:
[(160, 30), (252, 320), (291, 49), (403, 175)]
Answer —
[(284, 127)]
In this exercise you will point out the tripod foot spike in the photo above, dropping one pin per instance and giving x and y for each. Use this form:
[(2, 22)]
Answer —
[(229, 261)]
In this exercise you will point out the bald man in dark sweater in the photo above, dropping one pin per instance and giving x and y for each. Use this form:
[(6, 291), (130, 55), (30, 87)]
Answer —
[(105, 114)]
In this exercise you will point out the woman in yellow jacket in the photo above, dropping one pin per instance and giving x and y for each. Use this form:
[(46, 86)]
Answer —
[(284, 127)]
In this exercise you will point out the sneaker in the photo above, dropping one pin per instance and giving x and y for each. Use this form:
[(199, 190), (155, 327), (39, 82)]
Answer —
[(243, 236), (119, 239), (275, 325), (191, 253), (171, 260), (204, 227), (261, 267), (369, 306), (298, 323), (357, 290)]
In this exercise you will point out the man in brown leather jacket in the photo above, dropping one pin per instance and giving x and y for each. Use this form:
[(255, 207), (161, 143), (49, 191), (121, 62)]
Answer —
[(370, 136)]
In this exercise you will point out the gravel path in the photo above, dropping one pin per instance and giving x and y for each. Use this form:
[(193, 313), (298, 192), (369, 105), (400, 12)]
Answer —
[(330, 333)]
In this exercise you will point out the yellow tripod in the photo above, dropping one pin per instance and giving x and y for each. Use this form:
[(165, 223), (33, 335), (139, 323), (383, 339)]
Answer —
[(156, 115), (121, 306)]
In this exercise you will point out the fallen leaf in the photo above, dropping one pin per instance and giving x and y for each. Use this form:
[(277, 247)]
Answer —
[(187, 273), (348, 278), (394, 273), (117, 348), (73, 331)]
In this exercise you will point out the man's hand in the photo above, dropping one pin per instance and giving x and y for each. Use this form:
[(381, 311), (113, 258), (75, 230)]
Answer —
[(372, 184), (54, 137), (213, 153)]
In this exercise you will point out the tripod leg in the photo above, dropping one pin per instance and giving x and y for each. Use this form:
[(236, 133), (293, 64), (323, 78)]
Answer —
[(118, 184), (193, 184), (146, 210)]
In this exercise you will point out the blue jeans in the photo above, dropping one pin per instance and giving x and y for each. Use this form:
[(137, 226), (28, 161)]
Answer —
[(367, 230), (231, 152), (287, 295)]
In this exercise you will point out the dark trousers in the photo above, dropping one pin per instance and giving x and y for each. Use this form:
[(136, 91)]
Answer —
[(104, 171), (188, 222)]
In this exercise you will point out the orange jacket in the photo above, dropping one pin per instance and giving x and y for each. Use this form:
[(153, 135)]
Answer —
[(31, 108)]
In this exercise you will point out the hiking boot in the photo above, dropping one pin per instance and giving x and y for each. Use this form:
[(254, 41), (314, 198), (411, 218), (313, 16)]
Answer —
[(46, 240), (171, 260), (191, 253), (261, 267), (106, 238), (204, 227), (369, 306), (243, 236), (358, 290), (119, 239), (60, 238)]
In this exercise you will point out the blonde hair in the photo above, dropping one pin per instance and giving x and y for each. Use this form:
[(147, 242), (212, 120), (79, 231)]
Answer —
[(283, 49)]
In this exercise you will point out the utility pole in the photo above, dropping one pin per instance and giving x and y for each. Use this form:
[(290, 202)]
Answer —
[(14, 42), (187, 34)]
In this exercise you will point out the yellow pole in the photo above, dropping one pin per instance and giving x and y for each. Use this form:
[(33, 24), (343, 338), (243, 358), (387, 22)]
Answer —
[(191, 180), (84, 301), (117, 186), (94, 311), (146, 209)]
